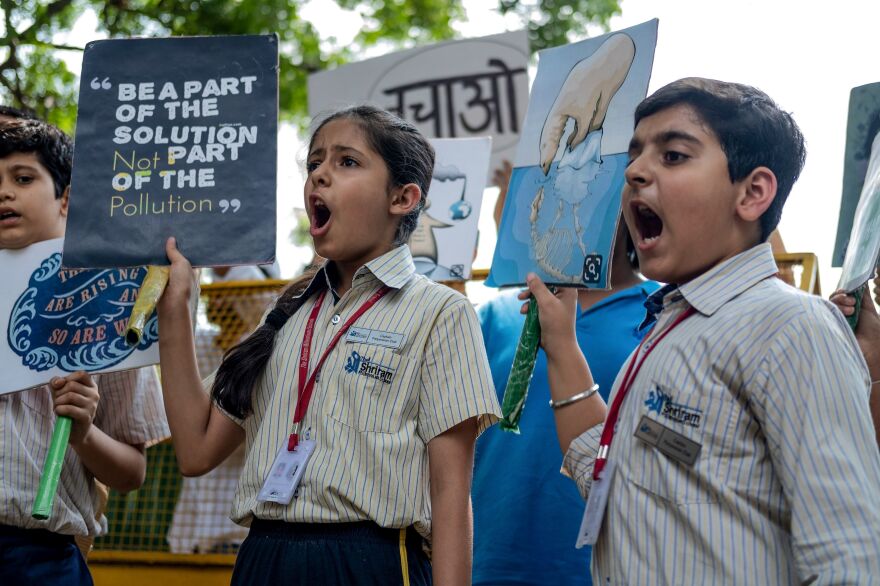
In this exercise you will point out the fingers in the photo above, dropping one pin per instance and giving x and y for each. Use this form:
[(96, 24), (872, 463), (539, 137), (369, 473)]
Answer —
[(75, 396), (541, 292), (586, 94), (174, 255), (845, 303)]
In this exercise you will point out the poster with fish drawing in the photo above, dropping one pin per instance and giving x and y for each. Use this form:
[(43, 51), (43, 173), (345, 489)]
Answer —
[(445, 240), (563, 202), (56, 321)]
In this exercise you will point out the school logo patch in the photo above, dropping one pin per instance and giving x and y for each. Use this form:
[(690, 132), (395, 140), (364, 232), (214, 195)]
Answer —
[(76, 319), (662, 404), (363, 366)]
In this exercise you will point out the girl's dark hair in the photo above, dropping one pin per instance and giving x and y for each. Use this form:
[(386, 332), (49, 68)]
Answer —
[(410, 159), (244, 363)]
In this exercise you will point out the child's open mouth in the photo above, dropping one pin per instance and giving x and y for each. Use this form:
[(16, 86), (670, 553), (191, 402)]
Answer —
[(320, 217), (649, 224), (8, 217)]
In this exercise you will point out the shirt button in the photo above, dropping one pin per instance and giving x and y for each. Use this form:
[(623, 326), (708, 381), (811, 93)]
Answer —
[(335, 319)]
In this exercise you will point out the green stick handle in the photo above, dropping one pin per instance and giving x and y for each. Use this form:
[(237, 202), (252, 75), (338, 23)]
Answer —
[(853, 320), (521, 372), (52, 469)]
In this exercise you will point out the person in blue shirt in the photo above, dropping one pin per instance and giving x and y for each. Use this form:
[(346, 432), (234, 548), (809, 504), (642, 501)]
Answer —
[(526, 514)]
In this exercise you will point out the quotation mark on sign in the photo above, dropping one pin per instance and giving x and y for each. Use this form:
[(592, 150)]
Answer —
[(101, 85), (226, 204)]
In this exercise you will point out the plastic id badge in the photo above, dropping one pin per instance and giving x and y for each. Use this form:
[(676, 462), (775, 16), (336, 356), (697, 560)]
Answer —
[(591, 524), (286, 472)]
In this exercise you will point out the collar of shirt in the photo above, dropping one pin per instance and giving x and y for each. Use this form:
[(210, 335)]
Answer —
[(710, 291), (394, 268)]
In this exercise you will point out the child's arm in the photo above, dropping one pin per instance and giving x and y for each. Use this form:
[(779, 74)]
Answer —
[(451, 462), (567, 370), (868, 335), (118, 465), (202, 435)]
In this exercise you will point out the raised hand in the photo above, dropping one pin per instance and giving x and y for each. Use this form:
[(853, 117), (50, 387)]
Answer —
[(585, 95)]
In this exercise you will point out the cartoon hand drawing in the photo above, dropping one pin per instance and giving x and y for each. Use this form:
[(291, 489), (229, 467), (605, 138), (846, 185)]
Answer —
[(585, 95), (576, 118)]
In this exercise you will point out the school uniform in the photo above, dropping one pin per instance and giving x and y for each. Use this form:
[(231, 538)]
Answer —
[(410, 368), (744, 448), (130, 410)]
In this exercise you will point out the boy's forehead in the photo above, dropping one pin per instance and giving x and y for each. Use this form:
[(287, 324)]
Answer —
[(670, 123), (30, 159)]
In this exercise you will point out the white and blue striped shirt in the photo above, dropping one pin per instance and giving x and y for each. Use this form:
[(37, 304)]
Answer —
[(786, 486), (428, 372)]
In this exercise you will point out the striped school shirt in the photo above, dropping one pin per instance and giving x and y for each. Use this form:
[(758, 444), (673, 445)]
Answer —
[(130, 410), (786, 486), (427, 371)]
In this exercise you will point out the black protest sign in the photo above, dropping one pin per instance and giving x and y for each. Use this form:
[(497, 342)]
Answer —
[(175, 137)]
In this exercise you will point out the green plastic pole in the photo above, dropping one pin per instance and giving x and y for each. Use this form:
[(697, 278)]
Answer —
[(52, 469), (521, 372), (853, 320)]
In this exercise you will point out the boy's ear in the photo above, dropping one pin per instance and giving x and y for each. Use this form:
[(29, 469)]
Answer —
[(65, 201), (405, 199), (758, 192)]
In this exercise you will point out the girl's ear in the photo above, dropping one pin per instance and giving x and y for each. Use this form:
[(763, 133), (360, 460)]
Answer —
[(405, 199)]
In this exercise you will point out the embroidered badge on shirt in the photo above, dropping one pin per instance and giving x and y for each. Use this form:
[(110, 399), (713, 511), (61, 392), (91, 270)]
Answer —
[(364, 366), (662, 404)]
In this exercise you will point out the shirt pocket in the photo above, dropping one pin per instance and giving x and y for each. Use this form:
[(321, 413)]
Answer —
[(373, 389), (709, 418)]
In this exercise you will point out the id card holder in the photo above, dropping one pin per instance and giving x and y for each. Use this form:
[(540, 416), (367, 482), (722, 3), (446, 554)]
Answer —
[(597, 503), (286, 472)]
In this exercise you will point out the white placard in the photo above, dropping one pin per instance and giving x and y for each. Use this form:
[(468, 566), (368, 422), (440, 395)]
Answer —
[(455, 89), (444, 243), (56, 321)]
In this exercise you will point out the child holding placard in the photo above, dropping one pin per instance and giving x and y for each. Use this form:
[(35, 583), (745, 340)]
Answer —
[(361, 395), (108, 435)]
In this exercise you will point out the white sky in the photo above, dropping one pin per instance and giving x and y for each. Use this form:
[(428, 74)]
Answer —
[(806, 55)]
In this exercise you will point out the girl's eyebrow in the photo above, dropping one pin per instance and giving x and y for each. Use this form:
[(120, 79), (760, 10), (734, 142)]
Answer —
[(336, 148)]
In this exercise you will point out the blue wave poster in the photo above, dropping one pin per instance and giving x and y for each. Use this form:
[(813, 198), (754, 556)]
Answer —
[(55, 321), (563, 203)]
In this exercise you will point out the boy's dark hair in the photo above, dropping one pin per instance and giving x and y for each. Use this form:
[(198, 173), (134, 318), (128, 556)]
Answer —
[(11, 112), (410, 159), (52, 147), (752, 130)]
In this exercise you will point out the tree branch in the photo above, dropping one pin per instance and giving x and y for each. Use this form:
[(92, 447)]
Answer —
[(45, 18)]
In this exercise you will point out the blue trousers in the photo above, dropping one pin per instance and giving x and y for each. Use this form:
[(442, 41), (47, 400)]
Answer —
[(34, 557), (330, 554)]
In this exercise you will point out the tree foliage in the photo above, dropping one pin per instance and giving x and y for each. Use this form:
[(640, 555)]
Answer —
[(33, 75)]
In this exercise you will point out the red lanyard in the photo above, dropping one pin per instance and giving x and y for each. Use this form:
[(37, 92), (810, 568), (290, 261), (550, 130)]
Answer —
[(307, 381), (626, 383)]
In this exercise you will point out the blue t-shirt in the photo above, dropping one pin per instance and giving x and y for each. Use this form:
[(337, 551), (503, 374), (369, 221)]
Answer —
[(526, 514)]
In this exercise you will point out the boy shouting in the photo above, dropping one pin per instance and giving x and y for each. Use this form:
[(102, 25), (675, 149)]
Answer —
[(738, 446)]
